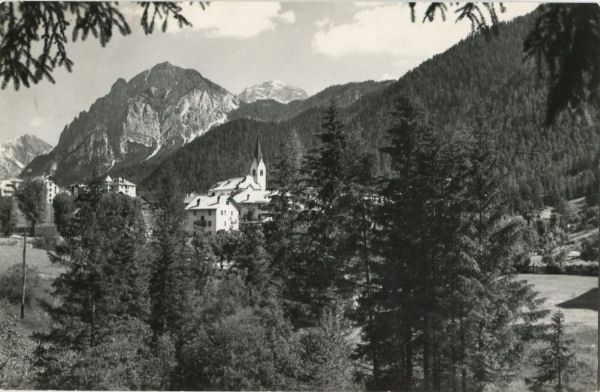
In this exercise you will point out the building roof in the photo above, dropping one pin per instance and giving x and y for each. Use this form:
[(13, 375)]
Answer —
[(257, 151), (252, 196), (205, 202), (236, 183), (122, 181)]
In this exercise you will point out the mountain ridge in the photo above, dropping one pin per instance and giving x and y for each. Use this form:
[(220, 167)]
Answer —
[(480, 83), (17, 153), (152, 114), (273, 89)]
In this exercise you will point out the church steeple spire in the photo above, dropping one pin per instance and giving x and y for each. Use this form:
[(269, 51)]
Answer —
[(258, 170), (257, 151)]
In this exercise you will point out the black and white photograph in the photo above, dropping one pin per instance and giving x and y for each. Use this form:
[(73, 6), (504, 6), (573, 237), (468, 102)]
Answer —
[(300, 196)]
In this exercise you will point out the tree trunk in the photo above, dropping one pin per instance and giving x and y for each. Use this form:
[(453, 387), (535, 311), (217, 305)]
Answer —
[(426, 355), (408, 358), (598, 310), (23, 287)]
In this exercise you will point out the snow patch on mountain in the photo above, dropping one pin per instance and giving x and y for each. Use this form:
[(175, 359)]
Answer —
[(273, 89)]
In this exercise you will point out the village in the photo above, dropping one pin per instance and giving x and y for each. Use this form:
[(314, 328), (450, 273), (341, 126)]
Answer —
[(222, 208), (352, 196)]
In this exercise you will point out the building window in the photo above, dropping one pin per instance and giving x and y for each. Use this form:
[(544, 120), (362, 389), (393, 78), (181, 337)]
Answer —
[(194, 213), (209, 222), (209, 212), (261, 172), (253, 172)]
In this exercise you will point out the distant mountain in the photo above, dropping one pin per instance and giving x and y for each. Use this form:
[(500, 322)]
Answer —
[(154, 113), (481, 83), (15, 155), (273, 89), (342, 95)]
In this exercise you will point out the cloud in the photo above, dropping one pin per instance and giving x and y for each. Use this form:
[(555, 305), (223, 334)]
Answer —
[(386, 28), (36, 121), (234, 19)]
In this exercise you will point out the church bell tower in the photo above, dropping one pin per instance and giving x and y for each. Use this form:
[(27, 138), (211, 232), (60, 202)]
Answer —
[(258, 170)]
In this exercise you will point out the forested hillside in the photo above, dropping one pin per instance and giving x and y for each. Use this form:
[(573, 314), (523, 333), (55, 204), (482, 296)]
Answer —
[(480, 83), (343, 95)]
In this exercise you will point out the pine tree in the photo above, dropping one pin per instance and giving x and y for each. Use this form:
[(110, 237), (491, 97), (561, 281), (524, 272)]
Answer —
[(169, 272), (103, 293), (556, 361), (447, 305)]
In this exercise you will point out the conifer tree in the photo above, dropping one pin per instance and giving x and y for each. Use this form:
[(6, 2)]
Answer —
[(103, 294), (169, 272), (556, 361), (446, 302)]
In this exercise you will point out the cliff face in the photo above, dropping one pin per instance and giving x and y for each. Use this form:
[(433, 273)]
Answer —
[(152, 114), (16, 154), (275, 90)]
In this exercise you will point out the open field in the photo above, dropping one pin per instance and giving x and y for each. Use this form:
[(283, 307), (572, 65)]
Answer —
[(558, 289), (575, 296), (11, 252)]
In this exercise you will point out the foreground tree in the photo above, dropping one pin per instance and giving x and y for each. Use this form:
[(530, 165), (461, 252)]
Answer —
[(100, 337), (448, 314), (556, 361), (34, 35)]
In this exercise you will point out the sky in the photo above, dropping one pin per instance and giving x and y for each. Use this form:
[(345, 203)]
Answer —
[(238, 44)]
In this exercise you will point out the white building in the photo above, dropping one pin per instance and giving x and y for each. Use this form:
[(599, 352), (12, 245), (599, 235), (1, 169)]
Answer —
[(51, 189), (211, 214), (119, 185), (242, 198), (9, 187)]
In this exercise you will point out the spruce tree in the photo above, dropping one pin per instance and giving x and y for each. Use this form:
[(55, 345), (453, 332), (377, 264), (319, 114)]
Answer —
[(102, 295), (556, 361)]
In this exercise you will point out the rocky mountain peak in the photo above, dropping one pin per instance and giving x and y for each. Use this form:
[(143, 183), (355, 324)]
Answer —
[(155, 112), (272, 89), (15, 154)]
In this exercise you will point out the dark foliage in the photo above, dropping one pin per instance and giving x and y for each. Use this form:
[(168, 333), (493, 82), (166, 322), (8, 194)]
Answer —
[(34, 34)]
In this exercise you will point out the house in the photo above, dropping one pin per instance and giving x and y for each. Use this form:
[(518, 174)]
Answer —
[(121, 185), (109, 184), (51, 189), (253, 204), (238, 198), (9, 187), (250, 192), (212, 213), (77, 189)]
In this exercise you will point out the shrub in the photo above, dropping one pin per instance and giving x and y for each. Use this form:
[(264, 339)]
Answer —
[(522, 263), (47, 241)]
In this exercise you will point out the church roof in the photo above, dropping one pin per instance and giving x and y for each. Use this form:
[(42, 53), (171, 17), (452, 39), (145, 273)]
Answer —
[(257, 151)]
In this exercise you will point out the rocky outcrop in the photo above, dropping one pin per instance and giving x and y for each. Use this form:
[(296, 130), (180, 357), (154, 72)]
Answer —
[(142, 119), (16, 154), (275, 90)]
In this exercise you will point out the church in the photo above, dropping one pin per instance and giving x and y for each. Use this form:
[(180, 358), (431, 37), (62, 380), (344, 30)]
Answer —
[(230, 201)]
